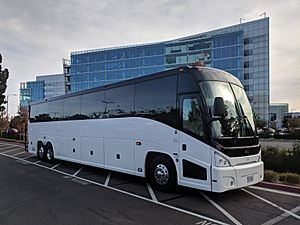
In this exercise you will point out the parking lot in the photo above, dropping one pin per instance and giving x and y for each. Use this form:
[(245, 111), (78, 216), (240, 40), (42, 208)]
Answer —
[(36, 192)]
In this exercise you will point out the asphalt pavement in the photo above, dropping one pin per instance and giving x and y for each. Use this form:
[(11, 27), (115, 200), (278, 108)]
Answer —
[(35, 192)]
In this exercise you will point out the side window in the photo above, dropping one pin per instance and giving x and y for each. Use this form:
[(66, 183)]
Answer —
[(93, 105), (119, 102), (39, 113), (72, 108), (56, 109), (191, 117), (156, 99)]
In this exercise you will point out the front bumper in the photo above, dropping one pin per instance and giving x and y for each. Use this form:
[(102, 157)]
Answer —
[(233, 177)]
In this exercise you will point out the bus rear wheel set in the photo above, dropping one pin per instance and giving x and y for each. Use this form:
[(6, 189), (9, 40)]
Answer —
[(45, 152)]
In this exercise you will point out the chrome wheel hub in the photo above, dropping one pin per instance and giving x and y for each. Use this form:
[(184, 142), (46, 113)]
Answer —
[(49, 155), (41, 151), (161, 174)]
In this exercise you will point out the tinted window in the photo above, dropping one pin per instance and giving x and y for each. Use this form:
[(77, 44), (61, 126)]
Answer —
[(72, 108), (93, 105), (119, 102), (39, 113), (191, 117), (56, 109), (156, 99)]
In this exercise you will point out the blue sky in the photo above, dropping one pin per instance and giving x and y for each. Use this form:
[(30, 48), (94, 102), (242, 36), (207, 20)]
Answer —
[(35, 35)]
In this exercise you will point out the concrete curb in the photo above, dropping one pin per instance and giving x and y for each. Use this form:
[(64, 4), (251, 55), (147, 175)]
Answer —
[(281, 187)]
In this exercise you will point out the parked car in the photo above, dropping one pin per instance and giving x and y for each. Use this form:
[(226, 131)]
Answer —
[(282, 132), (266, 132)]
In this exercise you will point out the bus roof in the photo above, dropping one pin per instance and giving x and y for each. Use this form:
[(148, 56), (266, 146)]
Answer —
[(199, 73)]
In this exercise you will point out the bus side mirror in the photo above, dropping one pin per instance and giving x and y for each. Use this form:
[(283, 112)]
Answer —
[(219, 107)]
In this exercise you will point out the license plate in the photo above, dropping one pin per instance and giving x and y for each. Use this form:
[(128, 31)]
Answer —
[(249, 179)]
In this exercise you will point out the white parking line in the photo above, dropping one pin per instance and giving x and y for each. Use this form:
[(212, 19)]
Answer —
[(27, 157), (234, 220), (275, 191), (272, 204), (55, 166), (7, 144), (152, 194), (124, 192), (5, 147), (107, 180), (19, 153), (37, 162), (77, 172), (281, 217), (10, 151)]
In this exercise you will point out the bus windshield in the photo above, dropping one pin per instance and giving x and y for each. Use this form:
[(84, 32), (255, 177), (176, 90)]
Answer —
[(238, 119)]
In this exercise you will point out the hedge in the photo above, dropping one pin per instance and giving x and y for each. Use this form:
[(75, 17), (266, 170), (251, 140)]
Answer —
[(283, 161)]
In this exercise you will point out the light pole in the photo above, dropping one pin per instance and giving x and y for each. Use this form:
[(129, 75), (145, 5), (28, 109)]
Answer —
[(7, 97)]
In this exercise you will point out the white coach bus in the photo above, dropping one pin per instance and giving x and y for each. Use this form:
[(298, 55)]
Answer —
[(190, 126)]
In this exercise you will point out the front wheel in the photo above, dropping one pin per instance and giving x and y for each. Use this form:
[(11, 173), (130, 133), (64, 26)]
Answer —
[(163, 173)]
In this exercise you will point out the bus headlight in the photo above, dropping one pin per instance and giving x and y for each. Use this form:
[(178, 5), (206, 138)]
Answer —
[(221, 161)]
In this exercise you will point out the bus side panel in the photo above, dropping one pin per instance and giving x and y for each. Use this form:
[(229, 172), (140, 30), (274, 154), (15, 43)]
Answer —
[(92, 150), (119, 155), (70, 147), (35, 133)]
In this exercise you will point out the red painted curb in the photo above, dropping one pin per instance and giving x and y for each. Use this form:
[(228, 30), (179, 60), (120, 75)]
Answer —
[(281, 187)]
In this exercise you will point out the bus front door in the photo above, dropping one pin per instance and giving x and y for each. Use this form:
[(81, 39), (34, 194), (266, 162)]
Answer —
[(194, 154)]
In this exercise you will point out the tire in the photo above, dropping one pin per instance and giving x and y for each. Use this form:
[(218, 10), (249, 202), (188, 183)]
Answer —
[(162, 174), (49, 153), (41, 152)]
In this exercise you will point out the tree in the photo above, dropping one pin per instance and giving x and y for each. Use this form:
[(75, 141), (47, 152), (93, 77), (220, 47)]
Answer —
[(3, 79), (3, 122), (20, 121)]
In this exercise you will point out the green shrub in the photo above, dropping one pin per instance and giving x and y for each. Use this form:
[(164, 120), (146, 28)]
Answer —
[(282, 177), (271, 176), (293, 178), (282, 160)]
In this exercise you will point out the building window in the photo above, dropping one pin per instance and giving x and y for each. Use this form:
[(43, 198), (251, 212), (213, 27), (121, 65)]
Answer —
[(248, 52), (247, 41)]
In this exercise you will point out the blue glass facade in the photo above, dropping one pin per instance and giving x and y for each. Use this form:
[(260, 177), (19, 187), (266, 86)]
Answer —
[(96, 68), (45, 86), (228, 53), (36, 90)]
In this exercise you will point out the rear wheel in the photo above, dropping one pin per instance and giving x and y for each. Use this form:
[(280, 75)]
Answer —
[(162, 173), (49, 153), (41, 152)]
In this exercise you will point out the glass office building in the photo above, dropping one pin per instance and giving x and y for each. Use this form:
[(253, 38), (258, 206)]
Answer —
[(45, 86), (100, 67), (276, 114), (53, 85), (242, 50)]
